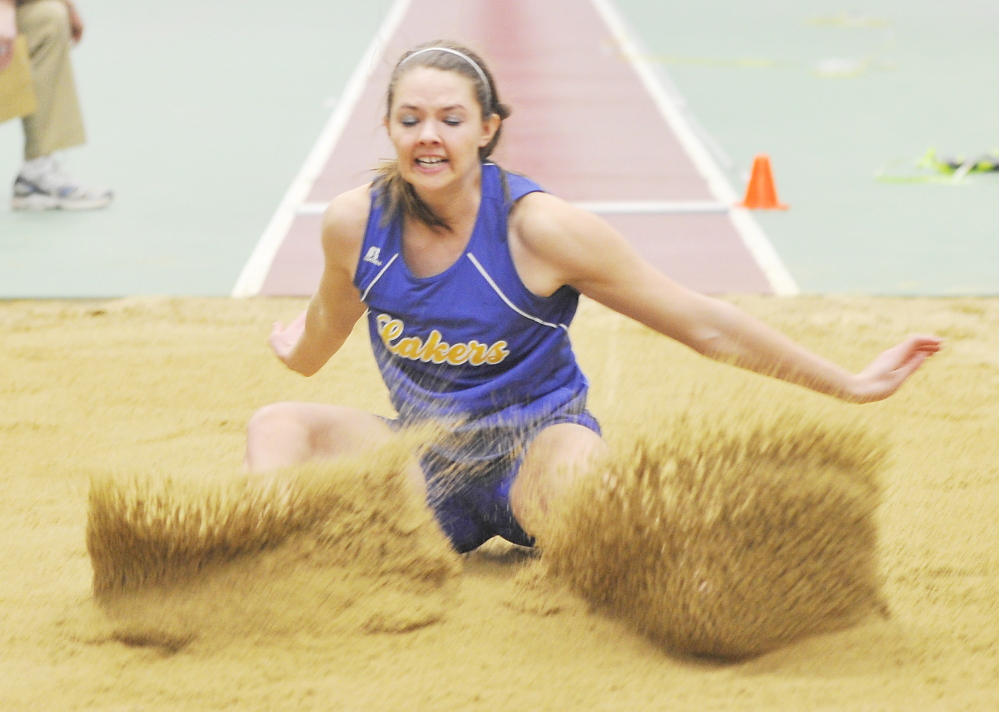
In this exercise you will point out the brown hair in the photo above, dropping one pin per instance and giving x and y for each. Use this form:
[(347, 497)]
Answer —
[(395, 194)]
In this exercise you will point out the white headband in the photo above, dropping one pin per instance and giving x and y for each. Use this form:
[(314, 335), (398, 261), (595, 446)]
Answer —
[(456, 53)]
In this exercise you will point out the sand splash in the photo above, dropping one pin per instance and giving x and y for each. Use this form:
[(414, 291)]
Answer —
[(714, 540), (729, 541), (320, 547)]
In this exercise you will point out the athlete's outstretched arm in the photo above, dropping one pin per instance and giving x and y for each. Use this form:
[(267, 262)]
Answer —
[(309, 341), (565, 245)]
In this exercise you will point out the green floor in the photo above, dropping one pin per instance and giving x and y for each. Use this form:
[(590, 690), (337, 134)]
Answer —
[(200, 115), (928, 73)]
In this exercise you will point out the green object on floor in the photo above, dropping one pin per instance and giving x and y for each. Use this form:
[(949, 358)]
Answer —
[(932, 168)]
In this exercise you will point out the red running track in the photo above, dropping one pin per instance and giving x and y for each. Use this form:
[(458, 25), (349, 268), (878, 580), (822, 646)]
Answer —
[(583, 125)]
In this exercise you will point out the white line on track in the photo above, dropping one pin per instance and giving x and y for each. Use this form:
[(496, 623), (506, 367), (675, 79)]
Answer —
[(652, 207), (606, 207), (752, 235), (251, 279), (311, 209)]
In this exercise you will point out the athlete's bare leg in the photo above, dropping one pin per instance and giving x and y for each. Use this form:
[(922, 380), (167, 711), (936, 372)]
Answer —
[(556, 458), (285, 434)]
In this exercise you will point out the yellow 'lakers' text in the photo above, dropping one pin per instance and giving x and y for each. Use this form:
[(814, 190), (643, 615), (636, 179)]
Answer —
[(435, 349)]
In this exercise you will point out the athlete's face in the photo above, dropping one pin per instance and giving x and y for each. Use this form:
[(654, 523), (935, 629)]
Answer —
[(436, 126)]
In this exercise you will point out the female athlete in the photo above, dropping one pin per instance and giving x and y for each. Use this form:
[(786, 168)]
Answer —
[(469, 276)]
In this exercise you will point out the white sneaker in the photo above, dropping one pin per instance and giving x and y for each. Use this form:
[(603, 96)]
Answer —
[(54, 190)]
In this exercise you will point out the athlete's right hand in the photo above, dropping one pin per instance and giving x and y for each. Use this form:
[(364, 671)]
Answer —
[(284, 338)]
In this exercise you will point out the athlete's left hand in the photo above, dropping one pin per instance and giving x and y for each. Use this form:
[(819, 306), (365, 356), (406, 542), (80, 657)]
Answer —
[(885, 374), (284, 338)]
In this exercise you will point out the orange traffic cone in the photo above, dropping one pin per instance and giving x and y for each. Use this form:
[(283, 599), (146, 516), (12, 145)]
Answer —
[(761, 193)]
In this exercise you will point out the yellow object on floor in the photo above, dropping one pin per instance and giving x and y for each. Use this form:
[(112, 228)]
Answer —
[(17, 91)]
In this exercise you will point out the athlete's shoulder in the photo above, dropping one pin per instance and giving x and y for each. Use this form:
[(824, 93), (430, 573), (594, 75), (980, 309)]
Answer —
[(344, 223), (346, 217), (540, 218), (567, 245), (349, 211)]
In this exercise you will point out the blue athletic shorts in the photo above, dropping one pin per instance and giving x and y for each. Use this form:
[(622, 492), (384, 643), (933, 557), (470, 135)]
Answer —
[(470, 496)]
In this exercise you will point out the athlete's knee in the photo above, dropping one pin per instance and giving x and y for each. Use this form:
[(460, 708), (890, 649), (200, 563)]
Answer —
[(276, 436), (559, 459), (274, 418), (567, 446)]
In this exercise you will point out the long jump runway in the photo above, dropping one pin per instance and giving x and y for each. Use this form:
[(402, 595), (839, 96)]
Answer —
[(591, 123)]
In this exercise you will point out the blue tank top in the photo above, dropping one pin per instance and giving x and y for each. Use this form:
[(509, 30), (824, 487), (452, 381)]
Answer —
[(471, 347)]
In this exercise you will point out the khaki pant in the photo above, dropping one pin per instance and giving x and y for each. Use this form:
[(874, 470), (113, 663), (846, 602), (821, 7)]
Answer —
[(57, 123)]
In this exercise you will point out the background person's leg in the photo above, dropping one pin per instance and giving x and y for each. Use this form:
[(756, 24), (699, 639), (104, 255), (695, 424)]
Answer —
[(555, 459), (57, 124)]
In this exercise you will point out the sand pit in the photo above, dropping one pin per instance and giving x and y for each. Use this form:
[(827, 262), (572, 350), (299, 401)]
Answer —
[(163, 388)]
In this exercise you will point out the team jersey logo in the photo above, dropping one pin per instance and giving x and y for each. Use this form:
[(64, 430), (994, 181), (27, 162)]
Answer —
[(435, 349), (373, 256)]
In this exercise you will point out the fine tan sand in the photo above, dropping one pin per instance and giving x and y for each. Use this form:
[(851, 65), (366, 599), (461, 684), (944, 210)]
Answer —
[(153, 395)]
